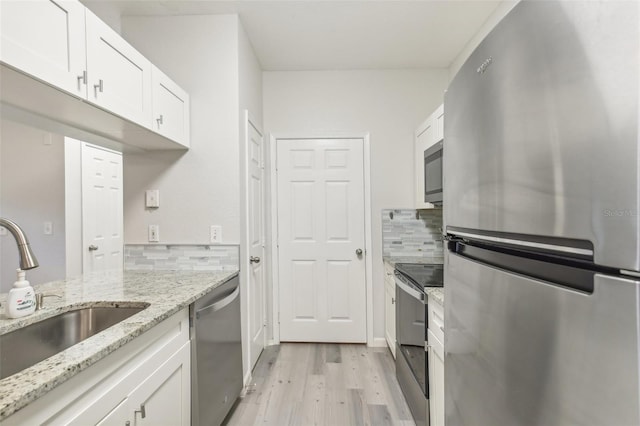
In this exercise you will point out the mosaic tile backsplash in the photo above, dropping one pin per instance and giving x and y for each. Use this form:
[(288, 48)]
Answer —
[(182, 257), (412, 233)]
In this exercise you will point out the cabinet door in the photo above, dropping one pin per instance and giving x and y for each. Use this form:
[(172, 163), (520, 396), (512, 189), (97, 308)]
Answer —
[(390, 316), (436, 380), (170, 108), (438, 124), (46, 39), (164, 398), (119, 76), (119, 416)]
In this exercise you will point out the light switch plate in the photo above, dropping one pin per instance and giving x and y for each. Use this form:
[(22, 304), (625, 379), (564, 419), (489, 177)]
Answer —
[(152, 198), (48, 228), (154, 233)]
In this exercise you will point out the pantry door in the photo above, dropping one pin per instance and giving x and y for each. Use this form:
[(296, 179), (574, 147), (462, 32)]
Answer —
[(256, 275), (321, 238), (101, 209)]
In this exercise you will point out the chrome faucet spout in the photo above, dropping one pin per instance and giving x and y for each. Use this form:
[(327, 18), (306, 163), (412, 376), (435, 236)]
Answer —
[(27, 258)]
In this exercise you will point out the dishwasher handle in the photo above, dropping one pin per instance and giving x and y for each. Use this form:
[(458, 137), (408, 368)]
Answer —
[(220, 304)]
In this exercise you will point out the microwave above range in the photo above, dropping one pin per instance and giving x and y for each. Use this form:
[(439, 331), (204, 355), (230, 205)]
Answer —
[(433, 174)]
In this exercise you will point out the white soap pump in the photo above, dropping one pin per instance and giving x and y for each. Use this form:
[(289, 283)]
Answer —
[(22, 298)]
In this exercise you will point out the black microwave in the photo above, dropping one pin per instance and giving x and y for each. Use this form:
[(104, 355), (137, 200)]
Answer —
[(433, 174)]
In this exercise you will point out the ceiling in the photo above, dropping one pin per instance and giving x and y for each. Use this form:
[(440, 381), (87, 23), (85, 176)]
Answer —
[(326, 35)]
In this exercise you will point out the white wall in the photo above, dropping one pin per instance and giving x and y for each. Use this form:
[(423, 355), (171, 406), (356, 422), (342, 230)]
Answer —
[(493, 19), (387, 104), (32, 182), (213, 60), (200, 187)]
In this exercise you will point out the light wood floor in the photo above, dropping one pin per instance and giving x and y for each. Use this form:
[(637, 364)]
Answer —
[(323, 384)]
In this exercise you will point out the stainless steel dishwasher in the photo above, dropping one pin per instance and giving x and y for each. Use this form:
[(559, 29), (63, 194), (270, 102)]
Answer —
[(216, 353)]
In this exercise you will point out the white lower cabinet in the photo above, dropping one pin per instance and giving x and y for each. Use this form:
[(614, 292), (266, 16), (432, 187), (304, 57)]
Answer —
[(164, 398), (146, 382), (390, 308), (435, 338)]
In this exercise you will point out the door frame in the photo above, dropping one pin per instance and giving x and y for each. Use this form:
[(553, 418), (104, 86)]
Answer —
[(273, 210)]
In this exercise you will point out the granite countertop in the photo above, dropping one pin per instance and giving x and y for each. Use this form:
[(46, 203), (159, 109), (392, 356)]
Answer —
[(166, 293), (392, 260), (437, 294)]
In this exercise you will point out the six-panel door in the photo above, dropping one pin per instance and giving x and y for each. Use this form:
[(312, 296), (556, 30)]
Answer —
[(320, 233)]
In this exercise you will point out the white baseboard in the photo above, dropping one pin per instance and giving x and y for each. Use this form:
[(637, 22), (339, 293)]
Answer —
[(378, 342)]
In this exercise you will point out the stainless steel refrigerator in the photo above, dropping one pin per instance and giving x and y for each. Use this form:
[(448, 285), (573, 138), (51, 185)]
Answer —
[(542, 212)]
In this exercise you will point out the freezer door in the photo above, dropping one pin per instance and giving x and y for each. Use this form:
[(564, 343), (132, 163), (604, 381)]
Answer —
[(520, 351), (541, 128)]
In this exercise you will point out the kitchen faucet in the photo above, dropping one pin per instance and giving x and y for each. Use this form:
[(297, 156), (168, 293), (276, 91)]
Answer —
[(27, 258)]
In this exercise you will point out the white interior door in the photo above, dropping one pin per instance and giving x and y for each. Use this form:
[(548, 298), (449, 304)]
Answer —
[(101, 209), (321, 219), (256, 294)]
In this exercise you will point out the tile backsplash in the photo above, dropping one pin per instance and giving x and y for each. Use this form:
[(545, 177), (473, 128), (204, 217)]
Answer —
[(412, 233), (183, 257)]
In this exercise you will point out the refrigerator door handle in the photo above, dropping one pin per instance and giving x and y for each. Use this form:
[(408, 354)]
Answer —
[(515, 242)]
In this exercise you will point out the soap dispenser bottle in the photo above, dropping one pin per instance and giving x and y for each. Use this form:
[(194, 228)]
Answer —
[(22, 298)]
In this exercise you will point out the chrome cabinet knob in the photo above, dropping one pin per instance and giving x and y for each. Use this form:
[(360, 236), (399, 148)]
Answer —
[(254, 259), (93, 248), (359, 252)]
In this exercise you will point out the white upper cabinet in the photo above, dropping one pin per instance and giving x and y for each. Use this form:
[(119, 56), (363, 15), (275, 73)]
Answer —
[(51, 49), (46, 39), (170, 108), (119, 76), (428, 133)]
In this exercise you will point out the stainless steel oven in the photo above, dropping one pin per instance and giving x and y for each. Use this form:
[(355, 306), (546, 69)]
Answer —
[(411, 335), (412, 280)]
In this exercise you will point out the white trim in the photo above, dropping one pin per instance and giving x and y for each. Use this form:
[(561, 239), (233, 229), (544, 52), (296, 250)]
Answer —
[(379, 342), (246, 383), (273, 139), (552, 247), (275, 287), (368, 238)]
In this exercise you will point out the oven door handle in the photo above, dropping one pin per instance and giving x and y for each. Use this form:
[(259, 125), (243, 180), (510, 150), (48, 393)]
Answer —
[(410, 291)]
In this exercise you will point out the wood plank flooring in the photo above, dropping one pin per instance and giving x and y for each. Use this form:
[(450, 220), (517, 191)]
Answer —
[(323, 384)]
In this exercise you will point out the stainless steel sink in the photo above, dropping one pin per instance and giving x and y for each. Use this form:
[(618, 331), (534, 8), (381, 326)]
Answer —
[(29, 345)]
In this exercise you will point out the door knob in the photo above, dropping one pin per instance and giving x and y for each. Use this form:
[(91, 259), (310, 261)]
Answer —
[(359, 252), (254, 259), (93, 248)]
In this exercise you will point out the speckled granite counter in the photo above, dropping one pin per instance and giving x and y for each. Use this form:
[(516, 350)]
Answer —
[(392, 260), (436, 293), (166, 292)]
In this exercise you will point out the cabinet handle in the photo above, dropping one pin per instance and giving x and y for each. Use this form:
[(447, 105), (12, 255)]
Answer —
[(393, 300), (159, 120), (142, 411), (98, 87), (93, 247), (82, 79)]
